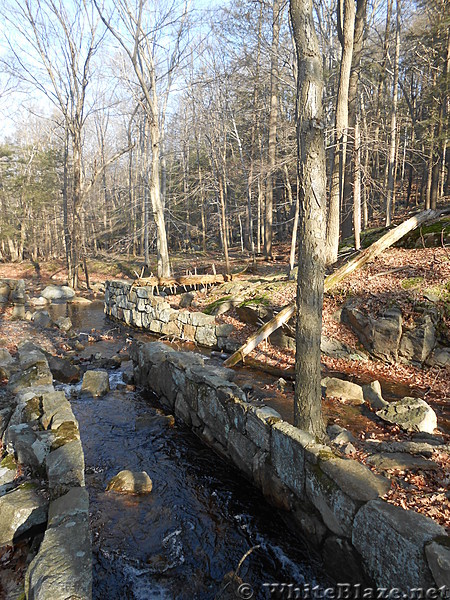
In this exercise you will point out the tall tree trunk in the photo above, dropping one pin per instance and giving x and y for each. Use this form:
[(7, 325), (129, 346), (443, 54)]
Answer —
[(346, 26), (353, 93), (157, 204), (273, 117), (393, 127), (312, 175)]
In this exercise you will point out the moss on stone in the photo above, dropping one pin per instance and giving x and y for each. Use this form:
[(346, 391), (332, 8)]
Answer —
[(255, 301), (9, 463), (28, 485), (208, 310), (67, 432), (33, 409), (411, 283)]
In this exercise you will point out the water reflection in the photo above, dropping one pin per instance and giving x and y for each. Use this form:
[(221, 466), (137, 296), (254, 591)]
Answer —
[(200, 519)]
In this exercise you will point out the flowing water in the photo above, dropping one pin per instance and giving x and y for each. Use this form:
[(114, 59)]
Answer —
[(201, 517)]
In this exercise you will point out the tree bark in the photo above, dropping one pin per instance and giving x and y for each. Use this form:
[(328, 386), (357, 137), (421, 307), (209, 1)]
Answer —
[(312, 195), (393, 127), (346, 25), (273, 116)]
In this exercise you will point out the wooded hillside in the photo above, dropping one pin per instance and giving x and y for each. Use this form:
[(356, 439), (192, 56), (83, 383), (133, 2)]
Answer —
[(148, 128)]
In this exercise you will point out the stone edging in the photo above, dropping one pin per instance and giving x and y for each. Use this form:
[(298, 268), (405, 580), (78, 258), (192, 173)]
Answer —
[(39, 429), (137, 306), (335, 503)]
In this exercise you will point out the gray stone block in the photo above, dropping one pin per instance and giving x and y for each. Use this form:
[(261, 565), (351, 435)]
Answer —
[(391, 542), (288, 457)]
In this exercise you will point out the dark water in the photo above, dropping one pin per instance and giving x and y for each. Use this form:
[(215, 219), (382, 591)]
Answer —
[(194, 527), (201, 517)]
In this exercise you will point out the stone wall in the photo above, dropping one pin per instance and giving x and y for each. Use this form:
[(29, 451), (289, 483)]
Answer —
[(13, 290), (137, 306), (334, 502), (40, 432)]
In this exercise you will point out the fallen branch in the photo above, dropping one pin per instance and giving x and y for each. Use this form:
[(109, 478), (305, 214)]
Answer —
[(366, 256)]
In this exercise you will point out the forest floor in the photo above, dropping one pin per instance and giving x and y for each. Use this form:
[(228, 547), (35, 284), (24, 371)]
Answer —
[(399, 275)]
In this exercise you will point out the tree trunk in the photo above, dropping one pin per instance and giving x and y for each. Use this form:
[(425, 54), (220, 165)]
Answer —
[(273, 116), (353, 93), (387, 240), (346, 25), (157, 204), (312, 175), (393, 127)]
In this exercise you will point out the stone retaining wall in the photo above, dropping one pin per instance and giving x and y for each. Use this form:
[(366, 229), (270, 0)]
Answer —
[(137, 306), (40, 432), (334, 502)]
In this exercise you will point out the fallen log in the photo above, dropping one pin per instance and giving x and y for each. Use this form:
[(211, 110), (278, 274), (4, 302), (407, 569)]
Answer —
[(366, 256)]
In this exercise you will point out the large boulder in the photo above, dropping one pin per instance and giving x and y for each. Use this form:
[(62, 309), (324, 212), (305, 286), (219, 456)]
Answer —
[(440, 357), (438, 556), (56, 292), (21, 510), (63, 370), (254, 313), (336, 349), (418, 342), (95, 383), (380, 336), (386, 334), (411, 414), (343, 390), (391, 542), (130, 482)]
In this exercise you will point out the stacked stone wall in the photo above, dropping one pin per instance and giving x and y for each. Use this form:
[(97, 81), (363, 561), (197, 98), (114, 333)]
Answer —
[(40, 432), (335, 503), (138, 307)]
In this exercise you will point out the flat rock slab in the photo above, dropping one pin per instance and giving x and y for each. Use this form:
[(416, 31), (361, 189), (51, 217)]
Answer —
[(62, 568), (344, 390), (56, 292), (391, 542), (65, 468), (402, 461), (20, 510)]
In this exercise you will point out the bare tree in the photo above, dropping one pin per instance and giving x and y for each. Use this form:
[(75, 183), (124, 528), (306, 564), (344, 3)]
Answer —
[(346, 24), (312, 176), (143, 30)]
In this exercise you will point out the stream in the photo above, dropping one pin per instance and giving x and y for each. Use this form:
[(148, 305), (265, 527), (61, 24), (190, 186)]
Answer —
[(202, 515)]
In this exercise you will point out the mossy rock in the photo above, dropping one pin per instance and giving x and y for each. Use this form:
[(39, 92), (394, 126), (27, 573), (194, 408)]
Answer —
[(431, 235), (255, 301), (28, 485), (209, 310), (411, 283), (9, 463), (33, 409), (67, 432)]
